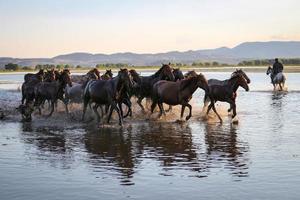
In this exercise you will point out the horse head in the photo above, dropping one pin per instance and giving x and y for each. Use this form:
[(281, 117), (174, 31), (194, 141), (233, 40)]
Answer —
[(125, 78), (178, 75), (25, 111), (269, 70), (241, 81), (50, 76), (65, 78), (166, 72), (109, 73), (190, 74), (202, 82), (241, 72)]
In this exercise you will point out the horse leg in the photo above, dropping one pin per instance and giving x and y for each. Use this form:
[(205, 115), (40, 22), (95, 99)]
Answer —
[(154, 103), (170, 109), (95, 107), (112, 107), (205, 101), (209, 107), (190, 113), (52, 108), (85, 104), (161, 108), (215, 110), (182, 110), (139, 101), (120, 107), (127, 102)]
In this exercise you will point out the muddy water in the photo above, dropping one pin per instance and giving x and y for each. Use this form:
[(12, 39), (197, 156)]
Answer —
[(62, 158)]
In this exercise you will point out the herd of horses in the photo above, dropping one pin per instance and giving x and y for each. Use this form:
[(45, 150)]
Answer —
[(108, 93)]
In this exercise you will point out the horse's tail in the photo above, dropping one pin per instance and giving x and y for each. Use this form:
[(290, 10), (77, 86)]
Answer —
[(86, 92)]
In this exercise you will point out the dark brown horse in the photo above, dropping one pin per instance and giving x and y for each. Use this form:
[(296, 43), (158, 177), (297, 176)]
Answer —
[(106, 92), (177, 93), (52, 91), (226, 93), (146, 83)]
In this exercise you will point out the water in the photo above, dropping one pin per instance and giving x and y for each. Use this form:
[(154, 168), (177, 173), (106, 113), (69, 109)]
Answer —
[(259, 158)]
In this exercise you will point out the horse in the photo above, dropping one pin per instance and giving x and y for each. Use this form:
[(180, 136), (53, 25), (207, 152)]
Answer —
[(28, 90), (278, 79), (177, 93), (74, 93), (52, 91), (224, 82), (25, 111), (178, 75), (190, 74), (30, 76), (226, 93), (49, 76), (107, 75), (83, 78), (146, 83), (106, 92)]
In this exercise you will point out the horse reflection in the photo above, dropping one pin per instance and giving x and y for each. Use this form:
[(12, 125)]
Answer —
[(111, 149), (169, 143), (51, 145), (225, 148)]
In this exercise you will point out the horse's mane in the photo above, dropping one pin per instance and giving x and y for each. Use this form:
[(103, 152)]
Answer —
[(159, 71), (186, 82)]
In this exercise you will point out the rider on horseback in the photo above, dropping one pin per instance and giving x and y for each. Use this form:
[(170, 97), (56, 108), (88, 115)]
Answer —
[(277, 68)]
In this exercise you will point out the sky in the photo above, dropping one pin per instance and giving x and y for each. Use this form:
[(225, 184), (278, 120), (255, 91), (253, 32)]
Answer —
[(46, 28)]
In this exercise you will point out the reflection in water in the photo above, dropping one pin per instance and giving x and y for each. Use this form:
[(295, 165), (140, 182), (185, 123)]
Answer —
[(276, 111), (110, 149), (50, 145), (120, 152), (223, 146)]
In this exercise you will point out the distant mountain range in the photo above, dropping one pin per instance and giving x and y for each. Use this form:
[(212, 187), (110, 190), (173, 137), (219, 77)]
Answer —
[(244, 51)]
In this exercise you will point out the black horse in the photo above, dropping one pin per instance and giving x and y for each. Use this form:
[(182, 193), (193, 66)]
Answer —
[(237, 72), (52, 91), (226, 93), (145, 83), (106, 92), (175, 93)]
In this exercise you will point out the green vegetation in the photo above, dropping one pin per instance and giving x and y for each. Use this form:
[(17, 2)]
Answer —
[(266, 62), (291, 65)]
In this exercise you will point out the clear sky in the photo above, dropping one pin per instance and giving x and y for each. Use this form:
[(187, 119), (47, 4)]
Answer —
[(46, 28)]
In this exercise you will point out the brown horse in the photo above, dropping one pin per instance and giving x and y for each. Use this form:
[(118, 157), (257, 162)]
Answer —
[(177, 93), (226, 93)]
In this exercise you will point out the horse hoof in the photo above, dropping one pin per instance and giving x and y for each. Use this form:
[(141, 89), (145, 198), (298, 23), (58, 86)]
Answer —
[(187, 118)]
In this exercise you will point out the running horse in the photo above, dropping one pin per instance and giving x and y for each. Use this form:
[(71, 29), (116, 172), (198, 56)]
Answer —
[(145, 83), (224, 82), (276, 80), (107, 92), (177, 93), (226, 92)]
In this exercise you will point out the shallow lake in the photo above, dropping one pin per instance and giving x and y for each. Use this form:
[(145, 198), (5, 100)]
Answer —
[(258, 158)]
